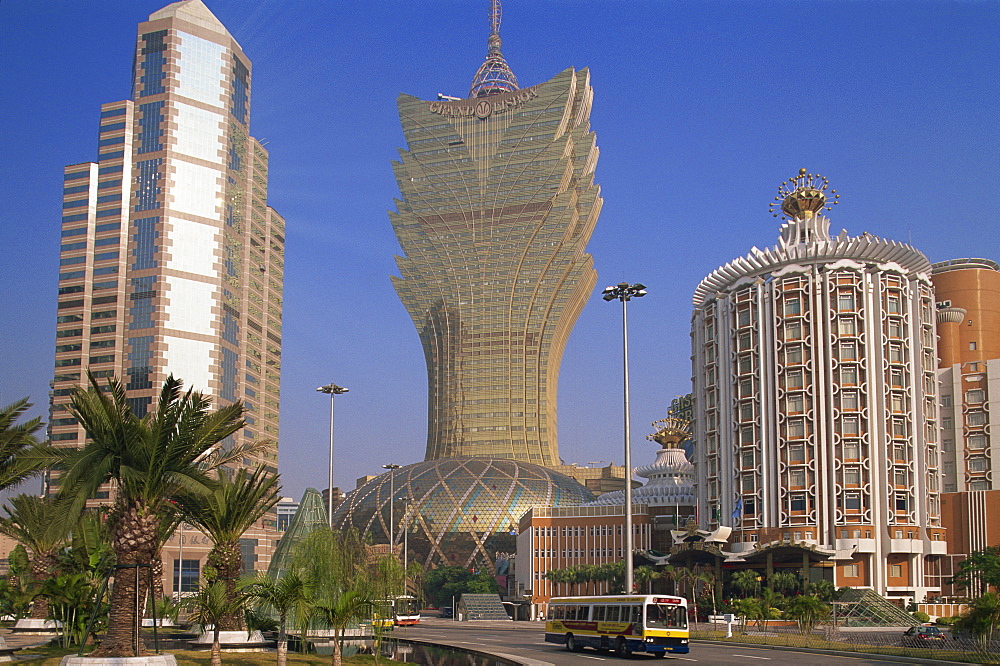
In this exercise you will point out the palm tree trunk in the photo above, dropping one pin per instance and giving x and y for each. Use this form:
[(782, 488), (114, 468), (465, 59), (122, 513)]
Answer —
[(282, 641), (227, 559), (337, 657), (43, 566), (134, 542), (216, 647)]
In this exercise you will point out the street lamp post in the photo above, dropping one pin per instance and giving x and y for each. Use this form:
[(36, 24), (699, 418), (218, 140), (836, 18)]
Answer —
[(332, 390), (406, 538), (392, 467), (625, 292)]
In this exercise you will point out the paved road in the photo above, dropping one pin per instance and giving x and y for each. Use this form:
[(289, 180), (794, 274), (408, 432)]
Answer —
[(525, 641)]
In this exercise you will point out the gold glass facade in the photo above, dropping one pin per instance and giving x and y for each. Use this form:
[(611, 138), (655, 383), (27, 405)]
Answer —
[(497, 204)]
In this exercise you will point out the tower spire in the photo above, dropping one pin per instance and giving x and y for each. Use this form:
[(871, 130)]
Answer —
[(494, 75)]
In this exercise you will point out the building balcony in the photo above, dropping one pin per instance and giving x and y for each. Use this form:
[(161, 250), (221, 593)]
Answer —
[(912, 546), (938, 548), (858, 545)]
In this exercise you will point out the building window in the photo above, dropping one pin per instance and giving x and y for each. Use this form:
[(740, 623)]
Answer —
[(795, 404), (743, 317), (975, 396), (849, 401), (793, 306), (746, 364), (845, 301), (850, 571), (849, 375), (978, 464), (796, 429), (746, 388), (798, 502), (895, 329), (848, 351), (892, 304), (793, 380), (793, 331), (186, 574), (977, 441), (793, 355), (847, 327), (852, 476), (797, 478), (851, 426), (796, 452), (852, 451), (895, 570), (745, 341), (975, 418), (896, 403)]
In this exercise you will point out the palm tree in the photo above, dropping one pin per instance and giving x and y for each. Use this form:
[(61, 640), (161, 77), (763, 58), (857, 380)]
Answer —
[(149, 460), (235, 503), (783, 582), (19, 457), (982, 618), (289, 595), (807, 610), (339, 609), (747, 582), (36, 523), (209, 606)]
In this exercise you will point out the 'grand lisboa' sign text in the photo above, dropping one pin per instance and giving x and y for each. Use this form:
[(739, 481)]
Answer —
[(483, 108)]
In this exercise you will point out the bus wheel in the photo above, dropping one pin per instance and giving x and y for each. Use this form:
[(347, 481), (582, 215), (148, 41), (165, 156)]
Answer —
[(621, 648), (571, 643)]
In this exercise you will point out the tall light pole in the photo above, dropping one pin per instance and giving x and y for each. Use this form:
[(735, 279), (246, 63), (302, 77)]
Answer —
[(332, 390), (392, 467), (406, 539), (625, 292)]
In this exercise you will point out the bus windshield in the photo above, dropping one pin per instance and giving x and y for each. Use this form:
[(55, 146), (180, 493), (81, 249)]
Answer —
[(406, 606), (672, 616)]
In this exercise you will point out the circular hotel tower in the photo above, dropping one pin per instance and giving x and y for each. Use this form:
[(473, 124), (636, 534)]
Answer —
[(814, 380)]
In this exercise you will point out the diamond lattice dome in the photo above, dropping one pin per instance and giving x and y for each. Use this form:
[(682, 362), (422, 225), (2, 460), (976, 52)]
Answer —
[(462, 510)]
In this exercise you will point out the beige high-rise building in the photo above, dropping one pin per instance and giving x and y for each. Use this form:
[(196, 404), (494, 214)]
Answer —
[(172, 262), (497, 204)]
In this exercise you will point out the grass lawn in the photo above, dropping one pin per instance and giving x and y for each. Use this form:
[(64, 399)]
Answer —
[(51, 656)]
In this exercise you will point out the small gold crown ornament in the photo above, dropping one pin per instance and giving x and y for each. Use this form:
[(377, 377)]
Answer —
[(670, 432), (803, 196)]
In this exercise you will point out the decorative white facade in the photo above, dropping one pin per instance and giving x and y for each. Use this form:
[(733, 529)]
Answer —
[(814, 382)]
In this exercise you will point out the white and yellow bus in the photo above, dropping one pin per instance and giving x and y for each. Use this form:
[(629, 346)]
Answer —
[(653, 623)]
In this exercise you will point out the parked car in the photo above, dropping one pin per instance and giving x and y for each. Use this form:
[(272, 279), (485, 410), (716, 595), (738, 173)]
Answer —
[(445, 612), (922, 636)]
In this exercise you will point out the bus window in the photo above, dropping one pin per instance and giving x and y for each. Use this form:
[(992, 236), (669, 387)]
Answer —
[(600, 613), (612, 614), (664, 615), (635, 614)]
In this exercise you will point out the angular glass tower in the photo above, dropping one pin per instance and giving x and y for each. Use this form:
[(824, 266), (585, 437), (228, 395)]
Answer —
[(497, 204), (172, 261)]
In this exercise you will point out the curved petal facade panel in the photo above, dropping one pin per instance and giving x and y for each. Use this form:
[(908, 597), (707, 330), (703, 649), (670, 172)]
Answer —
[(497, 204)]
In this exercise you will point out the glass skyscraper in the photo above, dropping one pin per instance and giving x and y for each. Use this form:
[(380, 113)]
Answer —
[(171, 260), (497, 204)]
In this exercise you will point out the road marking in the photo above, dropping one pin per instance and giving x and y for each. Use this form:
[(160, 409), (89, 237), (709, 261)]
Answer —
[(681, 658), (589, 657), (750, 656)]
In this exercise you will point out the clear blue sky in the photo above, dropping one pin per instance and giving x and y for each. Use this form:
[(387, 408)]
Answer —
[(701, 110)]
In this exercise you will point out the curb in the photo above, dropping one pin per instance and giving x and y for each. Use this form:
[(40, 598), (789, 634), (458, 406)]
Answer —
[(832, 653)]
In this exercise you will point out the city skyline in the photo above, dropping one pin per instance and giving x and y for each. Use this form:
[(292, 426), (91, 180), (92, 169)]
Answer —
[(695, 106)]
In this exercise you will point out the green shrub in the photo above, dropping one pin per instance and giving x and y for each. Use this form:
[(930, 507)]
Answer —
[(921, 616), (946, 621)]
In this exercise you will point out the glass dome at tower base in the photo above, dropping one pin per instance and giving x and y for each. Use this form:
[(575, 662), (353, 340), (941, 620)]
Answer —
[(459, 511)]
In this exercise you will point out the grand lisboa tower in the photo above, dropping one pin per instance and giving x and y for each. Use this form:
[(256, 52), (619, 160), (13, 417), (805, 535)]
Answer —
[(497, 203)]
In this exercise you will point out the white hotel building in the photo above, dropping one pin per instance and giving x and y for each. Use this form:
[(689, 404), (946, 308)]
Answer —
[(815, 387)]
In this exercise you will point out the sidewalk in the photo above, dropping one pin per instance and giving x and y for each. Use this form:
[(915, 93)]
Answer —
[(21, 641)]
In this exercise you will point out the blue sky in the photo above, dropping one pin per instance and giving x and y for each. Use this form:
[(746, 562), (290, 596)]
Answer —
[(701, 110)]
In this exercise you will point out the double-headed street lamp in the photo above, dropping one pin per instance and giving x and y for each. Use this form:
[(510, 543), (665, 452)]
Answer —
[(392, 467), (332, 390), (625, 292)]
